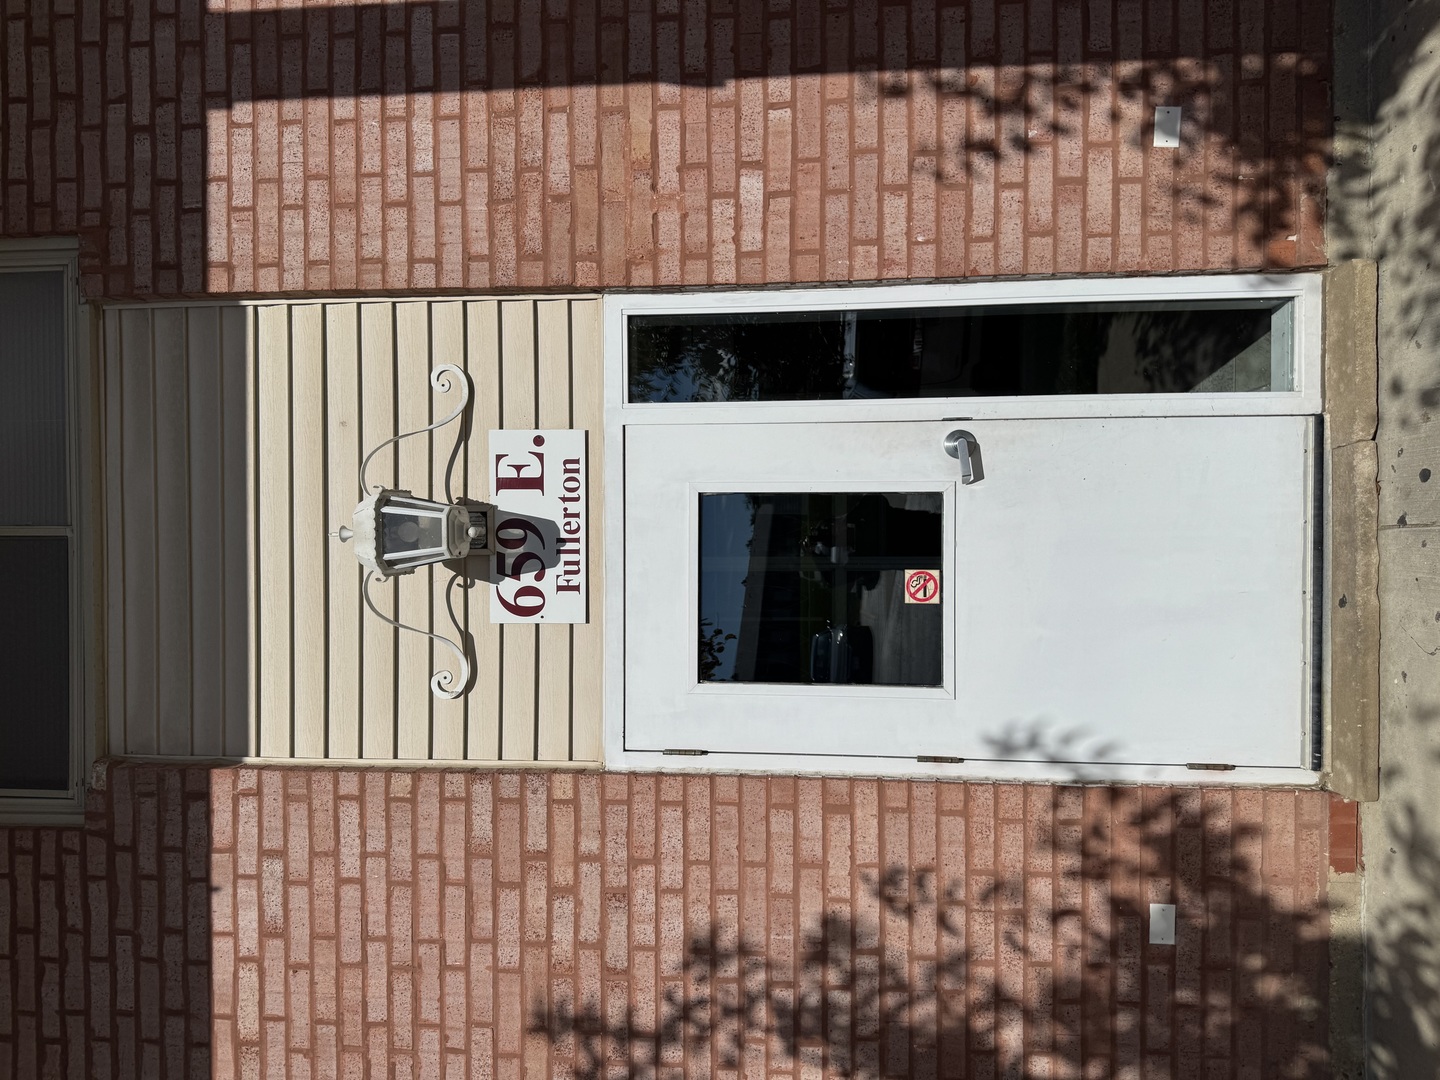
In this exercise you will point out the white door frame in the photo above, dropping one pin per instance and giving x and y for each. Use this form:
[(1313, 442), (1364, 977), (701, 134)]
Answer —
[(1303, 400)]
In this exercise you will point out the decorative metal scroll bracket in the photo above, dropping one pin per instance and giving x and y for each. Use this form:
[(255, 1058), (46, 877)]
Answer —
[(444, 683), (396, 533), (441, 382)]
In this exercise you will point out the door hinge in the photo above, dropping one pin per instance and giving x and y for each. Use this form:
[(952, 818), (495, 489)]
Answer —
[(1209, 766), (685, 753), (939, 759)]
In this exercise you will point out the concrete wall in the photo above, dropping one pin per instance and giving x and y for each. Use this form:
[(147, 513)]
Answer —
[(321, 922), (1389, 210), (468, 145)]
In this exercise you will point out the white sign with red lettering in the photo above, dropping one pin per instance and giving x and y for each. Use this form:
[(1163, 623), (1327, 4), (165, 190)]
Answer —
[(538, 486)]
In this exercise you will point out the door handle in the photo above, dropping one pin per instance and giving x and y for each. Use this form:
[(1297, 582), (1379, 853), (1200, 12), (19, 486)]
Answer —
[(961, 445)]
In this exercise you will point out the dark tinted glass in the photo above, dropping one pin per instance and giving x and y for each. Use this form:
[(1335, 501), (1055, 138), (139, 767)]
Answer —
[(35, 663), (954, 352), (811, 588), (33, 484)]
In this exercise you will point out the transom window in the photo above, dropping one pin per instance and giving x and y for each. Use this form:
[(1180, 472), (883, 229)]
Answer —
[(1019, 350)]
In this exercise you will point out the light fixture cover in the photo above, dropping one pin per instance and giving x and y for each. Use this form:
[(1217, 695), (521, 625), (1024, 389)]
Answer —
[(394, 532)]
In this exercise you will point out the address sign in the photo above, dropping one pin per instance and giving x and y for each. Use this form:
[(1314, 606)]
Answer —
[(539, 486)]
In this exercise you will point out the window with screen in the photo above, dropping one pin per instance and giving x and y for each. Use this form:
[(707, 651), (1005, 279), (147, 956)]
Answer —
[(36, 534)]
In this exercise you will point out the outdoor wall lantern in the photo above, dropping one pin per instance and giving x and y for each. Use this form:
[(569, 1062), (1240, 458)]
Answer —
[(395, 532)]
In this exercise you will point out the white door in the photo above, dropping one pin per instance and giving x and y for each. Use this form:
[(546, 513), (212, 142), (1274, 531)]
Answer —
[(1117, 590)]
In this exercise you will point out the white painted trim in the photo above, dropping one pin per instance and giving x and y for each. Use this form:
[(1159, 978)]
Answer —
[(1032, 771), (1317, 504), (1305, 399), (68, 807), (818, 764), (1059, 407), (38, 252), (23, 810), (612, 678), (891, 696), (1089, 289)]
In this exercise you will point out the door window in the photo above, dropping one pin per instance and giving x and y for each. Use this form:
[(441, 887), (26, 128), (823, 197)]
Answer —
[(810, 587)]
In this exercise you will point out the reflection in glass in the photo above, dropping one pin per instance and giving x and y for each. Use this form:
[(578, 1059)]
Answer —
[(1014, 350), (35, 663), (407, 531), (808, 587)]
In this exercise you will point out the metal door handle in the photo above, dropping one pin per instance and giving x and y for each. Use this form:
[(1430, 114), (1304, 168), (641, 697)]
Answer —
[(961, 445)]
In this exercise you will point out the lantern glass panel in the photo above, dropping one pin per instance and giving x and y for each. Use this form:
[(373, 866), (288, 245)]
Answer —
[(407, 530)]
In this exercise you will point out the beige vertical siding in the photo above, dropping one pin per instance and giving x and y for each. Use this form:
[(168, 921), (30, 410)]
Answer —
[(236, 625), (177, 463)]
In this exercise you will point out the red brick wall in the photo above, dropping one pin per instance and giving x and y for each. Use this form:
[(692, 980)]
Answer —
[(104, 935), (492, 143), (428, 924)]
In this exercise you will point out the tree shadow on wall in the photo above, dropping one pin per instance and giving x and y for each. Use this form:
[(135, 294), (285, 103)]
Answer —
[(1029, 80), (1004, 87), (1390, 211), (1030, 974), (1402, 950), (1241, 164)]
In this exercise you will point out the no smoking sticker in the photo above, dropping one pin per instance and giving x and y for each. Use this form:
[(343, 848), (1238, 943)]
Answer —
[(922, 586)]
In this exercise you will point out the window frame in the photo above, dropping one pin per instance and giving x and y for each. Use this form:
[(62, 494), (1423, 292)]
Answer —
[(1304, 289), (32, 807)]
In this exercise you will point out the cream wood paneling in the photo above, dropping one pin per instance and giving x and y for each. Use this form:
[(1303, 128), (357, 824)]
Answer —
[(275, 623), (342, 457), (447, 341), (553, 643), (483, 345), (518, 699), (377, 646), (234, 438), (587, 405)]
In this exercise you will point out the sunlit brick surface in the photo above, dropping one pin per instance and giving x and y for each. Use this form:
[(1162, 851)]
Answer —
[(444, 924), (476, 144)]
